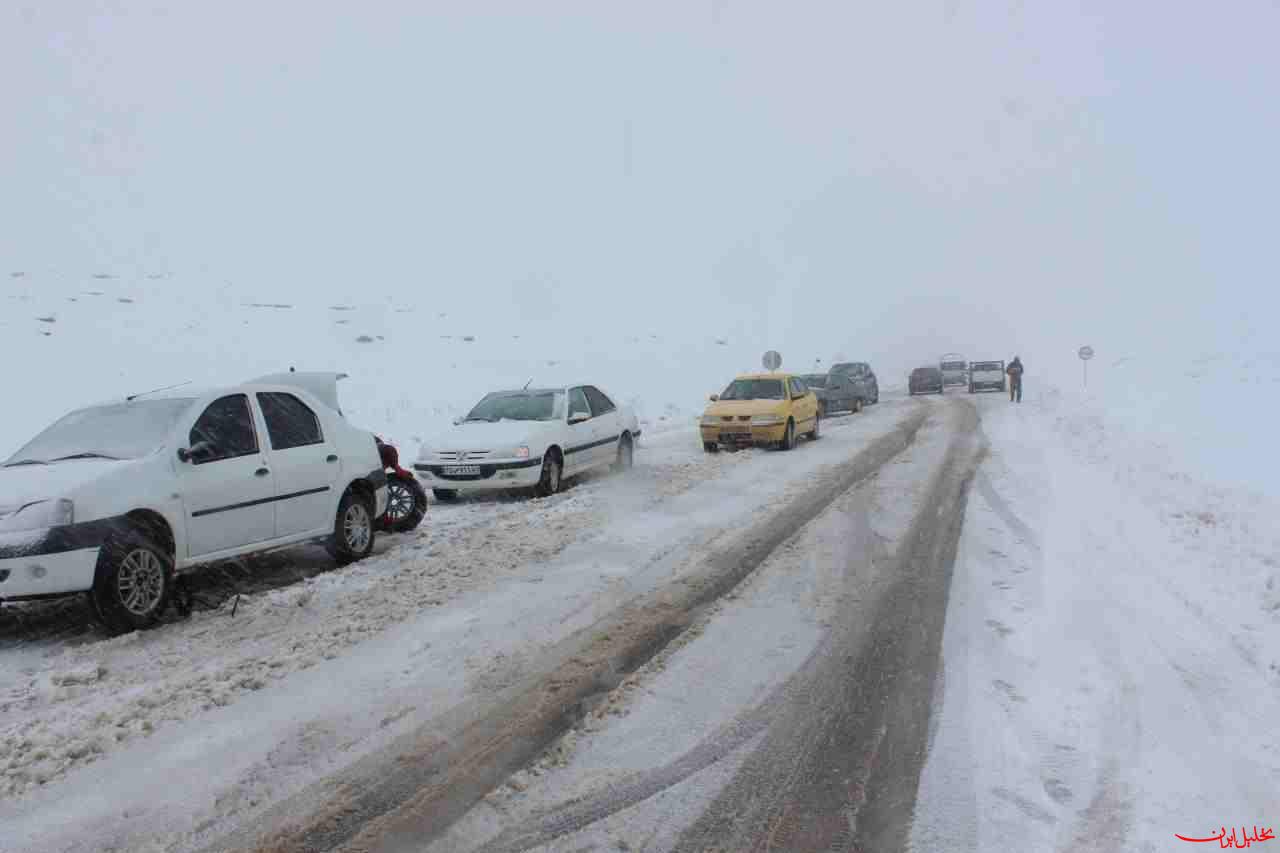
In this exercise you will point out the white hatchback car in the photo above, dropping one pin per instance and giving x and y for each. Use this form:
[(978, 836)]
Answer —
[(114, 499), (531, 438)]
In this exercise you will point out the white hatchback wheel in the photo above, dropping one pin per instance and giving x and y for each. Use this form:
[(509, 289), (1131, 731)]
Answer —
[(140, 582), (357, 527)]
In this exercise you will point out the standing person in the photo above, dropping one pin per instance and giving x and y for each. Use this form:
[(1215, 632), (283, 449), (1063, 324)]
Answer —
[(1015, 379)]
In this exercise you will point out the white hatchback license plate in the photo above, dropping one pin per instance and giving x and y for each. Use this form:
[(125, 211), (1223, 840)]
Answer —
[(461, 470)]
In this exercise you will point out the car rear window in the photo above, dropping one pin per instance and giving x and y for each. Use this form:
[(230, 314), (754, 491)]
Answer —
[(290, 422)]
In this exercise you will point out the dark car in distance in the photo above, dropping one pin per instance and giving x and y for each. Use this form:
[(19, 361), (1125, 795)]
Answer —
[(814, 380), (925, 380)]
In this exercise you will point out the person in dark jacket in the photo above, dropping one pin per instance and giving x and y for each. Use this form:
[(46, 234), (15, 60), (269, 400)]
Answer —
[(1015, 379)]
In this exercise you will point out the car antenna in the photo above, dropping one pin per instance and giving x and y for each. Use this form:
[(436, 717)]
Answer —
[(527, 384), (133, 397)]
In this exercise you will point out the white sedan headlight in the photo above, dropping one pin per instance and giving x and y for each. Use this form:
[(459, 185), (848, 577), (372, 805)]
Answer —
[(521, 453), (36, 515), (766, 420)]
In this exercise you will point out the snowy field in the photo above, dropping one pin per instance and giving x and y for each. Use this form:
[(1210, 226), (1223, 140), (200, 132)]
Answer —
[(1112, 647), (415, 361)]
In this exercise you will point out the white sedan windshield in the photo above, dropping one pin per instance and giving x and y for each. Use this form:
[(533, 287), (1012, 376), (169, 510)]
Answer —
[(116, 431), (519, 406)]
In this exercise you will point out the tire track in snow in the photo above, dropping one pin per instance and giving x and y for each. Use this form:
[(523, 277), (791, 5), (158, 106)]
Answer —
[(406, 796), (798, 689), (813, 723)]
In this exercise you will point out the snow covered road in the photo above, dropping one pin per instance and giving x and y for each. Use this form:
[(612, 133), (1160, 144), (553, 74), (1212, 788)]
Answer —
[(792, 715), (844, 647), (307, 679)]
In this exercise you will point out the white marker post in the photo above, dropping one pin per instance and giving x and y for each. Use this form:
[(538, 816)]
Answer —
[(1085, 354)]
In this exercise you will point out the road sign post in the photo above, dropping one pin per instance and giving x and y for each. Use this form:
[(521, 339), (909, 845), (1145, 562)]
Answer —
[(1085, 353)]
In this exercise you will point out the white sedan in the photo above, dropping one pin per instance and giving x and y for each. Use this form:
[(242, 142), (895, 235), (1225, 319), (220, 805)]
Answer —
[(114, 499), (531, 438)]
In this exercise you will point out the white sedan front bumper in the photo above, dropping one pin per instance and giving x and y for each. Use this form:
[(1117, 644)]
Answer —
[(491, 476)]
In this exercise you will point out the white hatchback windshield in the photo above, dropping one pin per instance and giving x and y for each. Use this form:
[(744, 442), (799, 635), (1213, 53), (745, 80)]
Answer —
[(115, 431)]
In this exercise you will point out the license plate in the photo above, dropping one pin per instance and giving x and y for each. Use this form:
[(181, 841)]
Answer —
[(461, 470)]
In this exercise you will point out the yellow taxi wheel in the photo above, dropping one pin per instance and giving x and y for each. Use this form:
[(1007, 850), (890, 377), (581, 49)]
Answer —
[(788, 437)]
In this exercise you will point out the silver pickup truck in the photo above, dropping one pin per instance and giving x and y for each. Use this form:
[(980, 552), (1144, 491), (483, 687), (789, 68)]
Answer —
[(986, 376)]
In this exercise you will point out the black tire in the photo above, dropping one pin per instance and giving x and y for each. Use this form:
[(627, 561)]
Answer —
[(552, 476), (353, 528), (133, 582), (816, 432), (406, 504), (626, 454), (445, 495), (971, 389), (710, 447), (788, 437)]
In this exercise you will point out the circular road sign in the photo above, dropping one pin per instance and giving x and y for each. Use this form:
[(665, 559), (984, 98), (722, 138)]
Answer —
[(772, 360), (1086, 353)]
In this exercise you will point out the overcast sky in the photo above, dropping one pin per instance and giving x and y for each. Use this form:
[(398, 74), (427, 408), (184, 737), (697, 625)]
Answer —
[(883, 180)]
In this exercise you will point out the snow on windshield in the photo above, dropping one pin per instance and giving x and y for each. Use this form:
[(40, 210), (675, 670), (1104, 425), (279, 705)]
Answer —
[(753, 389), (118, 431), (519, 406)]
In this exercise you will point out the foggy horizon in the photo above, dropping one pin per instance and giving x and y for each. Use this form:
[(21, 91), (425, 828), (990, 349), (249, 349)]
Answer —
[(891, 183)]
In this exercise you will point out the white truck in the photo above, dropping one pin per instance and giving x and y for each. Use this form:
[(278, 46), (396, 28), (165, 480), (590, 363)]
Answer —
[(986, 376)]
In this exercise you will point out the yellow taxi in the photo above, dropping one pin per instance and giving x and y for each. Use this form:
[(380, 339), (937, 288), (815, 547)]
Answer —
[(767, 409)]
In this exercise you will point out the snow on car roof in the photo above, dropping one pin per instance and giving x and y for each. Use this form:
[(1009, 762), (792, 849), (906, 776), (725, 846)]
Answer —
[(316, 383)]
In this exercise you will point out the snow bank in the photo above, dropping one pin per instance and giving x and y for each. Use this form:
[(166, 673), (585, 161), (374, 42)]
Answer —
[(1211, 415), (1112, 649)]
